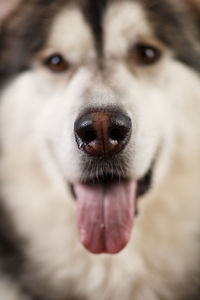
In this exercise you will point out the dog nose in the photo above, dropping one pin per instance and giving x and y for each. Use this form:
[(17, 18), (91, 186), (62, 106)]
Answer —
[(102, 133)]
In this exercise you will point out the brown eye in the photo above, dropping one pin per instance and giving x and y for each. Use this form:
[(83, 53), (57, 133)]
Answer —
[(145, 54), (57, 63)]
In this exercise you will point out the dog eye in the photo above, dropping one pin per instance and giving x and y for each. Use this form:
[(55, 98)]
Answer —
[(145, 54), (57, 63)]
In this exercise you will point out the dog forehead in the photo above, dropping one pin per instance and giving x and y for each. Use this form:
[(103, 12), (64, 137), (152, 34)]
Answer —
[(70, 33), (80, 27), (124, 23), (124, 16)]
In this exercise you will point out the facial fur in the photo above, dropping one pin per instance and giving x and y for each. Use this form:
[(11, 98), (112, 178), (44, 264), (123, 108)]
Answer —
[(40, 158)]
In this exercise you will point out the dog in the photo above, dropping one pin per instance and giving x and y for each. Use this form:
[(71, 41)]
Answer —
[(100, 150)]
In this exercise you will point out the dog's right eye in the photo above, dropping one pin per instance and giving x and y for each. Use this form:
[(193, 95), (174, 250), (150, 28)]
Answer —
[(56, 63), (145, 54)]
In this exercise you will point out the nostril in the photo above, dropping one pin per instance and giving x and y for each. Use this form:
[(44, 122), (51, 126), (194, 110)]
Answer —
[(84, 130), (120, 128), (86, 135), (89, 136), (118, 133)]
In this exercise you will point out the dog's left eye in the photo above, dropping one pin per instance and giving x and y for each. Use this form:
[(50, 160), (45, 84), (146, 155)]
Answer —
[(56, 63), (145, 54)]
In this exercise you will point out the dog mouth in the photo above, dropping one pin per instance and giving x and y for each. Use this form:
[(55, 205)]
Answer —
[(106, 210)]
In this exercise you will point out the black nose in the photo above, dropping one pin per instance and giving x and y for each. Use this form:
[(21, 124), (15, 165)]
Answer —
[(102, 133)]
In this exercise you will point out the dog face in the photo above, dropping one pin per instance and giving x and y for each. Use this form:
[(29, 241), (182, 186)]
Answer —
[(97, 97), (71, 74), (99, 100)]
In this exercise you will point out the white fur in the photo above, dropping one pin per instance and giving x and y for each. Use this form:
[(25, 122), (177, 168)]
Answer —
[(124, 25), (37, 113), (10, 291)]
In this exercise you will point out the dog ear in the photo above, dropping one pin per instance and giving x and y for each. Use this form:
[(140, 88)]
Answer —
[(7, 7)]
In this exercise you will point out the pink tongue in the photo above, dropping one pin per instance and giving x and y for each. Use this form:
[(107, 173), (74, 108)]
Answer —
[(105, 215)]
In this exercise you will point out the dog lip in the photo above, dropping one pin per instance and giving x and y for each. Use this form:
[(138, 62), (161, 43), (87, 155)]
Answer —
[(143, 184), (107, 179)]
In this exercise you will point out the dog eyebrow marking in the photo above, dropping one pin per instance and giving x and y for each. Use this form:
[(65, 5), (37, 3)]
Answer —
[(70, 34), (124, 33)]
